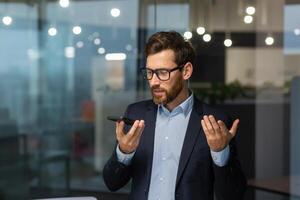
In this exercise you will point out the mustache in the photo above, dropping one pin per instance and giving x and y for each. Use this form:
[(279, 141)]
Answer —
[(157, 89)]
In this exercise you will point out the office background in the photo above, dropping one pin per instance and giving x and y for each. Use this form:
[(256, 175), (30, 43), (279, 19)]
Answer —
[(67, 64)]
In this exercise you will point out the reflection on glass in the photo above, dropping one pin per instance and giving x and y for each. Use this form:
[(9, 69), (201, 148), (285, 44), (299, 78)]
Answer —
[(7, 20), (66, 65), (58, 90)]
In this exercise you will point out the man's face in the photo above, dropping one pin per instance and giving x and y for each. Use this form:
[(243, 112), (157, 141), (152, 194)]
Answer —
[(164, 92)]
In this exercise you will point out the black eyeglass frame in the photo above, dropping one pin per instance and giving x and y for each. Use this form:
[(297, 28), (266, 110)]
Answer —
[(155, 71)]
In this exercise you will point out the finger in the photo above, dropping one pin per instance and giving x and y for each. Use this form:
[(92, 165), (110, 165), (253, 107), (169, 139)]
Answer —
[(214, 124), (141, 126), (223, 127), (133, 129), (139, 131), (208, 125), (234, 127), (119, 129), (204, 128), (134, 139)]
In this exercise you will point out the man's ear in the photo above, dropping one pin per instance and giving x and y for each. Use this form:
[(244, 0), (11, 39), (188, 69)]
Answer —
[(187, 70)]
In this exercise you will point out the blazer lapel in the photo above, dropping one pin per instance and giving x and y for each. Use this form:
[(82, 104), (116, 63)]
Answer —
[(149, 134), (190, 137)]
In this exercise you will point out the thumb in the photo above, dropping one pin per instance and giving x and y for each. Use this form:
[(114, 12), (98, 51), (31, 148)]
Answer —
[(234, 127)]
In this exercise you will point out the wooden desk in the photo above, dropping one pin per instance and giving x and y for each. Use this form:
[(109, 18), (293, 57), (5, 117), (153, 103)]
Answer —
[(286, 185)]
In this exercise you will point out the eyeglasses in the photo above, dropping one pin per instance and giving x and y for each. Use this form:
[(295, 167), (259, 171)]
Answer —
[(162, 74)]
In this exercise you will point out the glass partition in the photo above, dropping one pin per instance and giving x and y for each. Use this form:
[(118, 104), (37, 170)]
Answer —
[(68, 64)]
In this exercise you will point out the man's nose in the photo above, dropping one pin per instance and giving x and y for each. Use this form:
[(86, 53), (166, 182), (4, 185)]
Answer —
[(155, 80)]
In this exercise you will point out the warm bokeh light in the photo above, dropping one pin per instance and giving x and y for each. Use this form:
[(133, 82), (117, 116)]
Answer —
[(250, 10), (228, 42), (206, 37), (188, 35), (269, 40), (200, 30), (248, 19)]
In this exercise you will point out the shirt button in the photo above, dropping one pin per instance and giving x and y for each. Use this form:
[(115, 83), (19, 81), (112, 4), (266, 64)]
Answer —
[(161, 179), (163, 158), (166, 137)]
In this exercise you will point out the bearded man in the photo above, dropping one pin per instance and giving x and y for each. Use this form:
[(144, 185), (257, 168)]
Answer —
[(178, 147)]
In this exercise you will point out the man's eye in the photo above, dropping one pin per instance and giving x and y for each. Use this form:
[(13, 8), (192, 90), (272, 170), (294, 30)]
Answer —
[(162, 72)]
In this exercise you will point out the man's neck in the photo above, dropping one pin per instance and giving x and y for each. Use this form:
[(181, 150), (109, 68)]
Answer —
[(183, 95)]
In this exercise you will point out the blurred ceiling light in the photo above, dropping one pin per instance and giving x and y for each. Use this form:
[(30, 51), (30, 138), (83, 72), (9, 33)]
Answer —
[(101, 50), (115, 12), (128, 47), (200, 30), (248, 19), (250, 10), (69, 52), (269, 40), (32, 54), (52, 31), (7, 20), (97, 41), (115, 56), (64, 3), (188, 35), (206, 37), (79, 44), (228, 42), (76, 30), (297, 31)]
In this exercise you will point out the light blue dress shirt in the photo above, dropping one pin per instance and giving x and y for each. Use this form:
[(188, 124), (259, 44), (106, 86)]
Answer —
[(170, 131)]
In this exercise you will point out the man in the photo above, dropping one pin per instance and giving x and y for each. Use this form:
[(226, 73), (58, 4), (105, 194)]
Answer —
[(178, 148)]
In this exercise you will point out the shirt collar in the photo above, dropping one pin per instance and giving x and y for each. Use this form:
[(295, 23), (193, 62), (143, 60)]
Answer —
[(185, 107)]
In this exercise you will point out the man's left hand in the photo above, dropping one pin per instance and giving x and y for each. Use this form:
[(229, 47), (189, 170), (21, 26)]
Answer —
[(216, 132)]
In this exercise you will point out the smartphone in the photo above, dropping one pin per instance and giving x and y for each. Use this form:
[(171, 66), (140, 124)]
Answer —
[(121, 118)]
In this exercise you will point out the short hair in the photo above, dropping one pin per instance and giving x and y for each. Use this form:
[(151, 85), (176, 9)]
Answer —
[(183, 49)]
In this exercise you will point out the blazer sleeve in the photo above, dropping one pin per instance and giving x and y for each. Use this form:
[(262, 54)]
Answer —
[(116, 174), (230, 182)]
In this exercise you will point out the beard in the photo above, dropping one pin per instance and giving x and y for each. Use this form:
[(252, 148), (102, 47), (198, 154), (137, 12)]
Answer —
[(167, 95)]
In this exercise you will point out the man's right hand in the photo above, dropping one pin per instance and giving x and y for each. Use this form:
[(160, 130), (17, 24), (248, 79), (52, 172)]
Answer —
[(128, 142)]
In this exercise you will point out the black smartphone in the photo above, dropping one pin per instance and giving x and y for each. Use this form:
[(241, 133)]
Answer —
[(121, 118)]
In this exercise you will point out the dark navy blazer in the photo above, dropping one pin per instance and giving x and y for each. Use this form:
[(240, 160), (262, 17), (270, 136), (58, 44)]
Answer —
[(198, 178)]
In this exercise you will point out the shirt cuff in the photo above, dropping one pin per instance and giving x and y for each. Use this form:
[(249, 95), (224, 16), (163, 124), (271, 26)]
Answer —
[(123, 157), (220, 158)]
